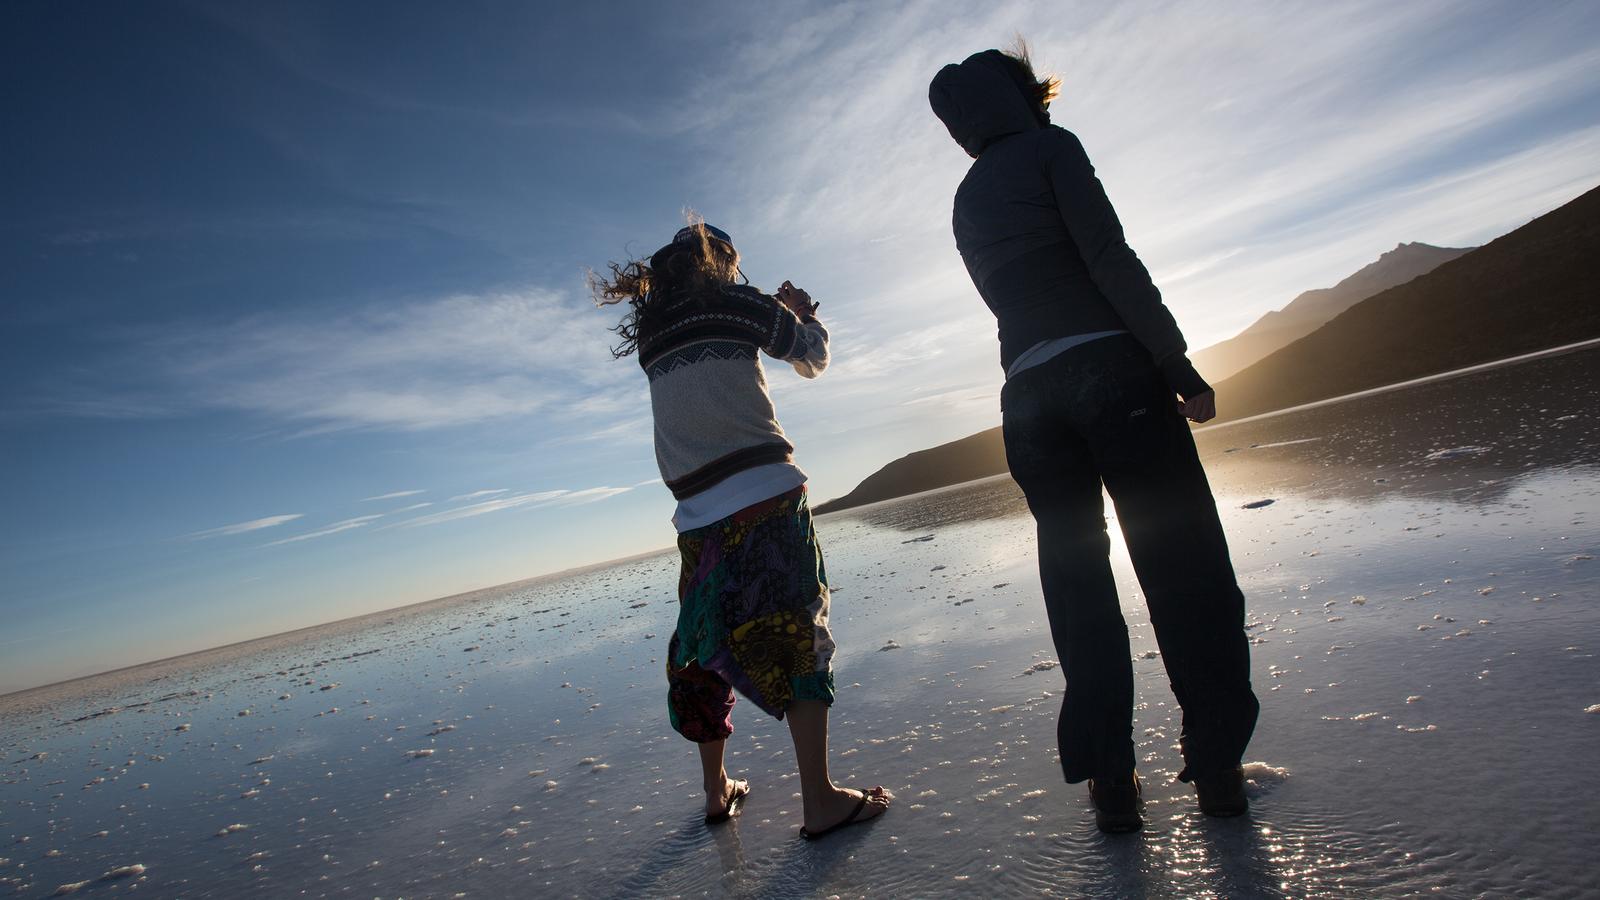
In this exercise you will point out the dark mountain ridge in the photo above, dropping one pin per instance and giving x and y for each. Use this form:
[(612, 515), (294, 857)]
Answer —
[(1314, 308)]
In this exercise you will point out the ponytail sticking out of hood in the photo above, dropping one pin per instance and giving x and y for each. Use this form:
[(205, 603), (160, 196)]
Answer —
[(984, 98)]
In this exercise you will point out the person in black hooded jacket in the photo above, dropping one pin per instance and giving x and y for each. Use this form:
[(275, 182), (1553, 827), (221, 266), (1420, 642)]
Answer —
[(1095, 369)]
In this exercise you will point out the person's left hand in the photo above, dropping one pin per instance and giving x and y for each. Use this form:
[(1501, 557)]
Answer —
[(1200, 407)]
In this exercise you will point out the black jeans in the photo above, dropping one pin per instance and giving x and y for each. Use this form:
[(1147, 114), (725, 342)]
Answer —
[(1101, 413)]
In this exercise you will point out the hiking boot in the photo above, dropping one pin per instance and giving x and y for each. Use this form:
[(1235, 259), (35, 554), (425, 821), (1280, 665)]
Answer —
[(1116, 803), (1222, 793)]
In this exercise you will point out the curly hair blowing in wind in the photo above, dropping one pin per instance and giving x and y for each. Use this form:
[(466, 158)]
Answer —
[(698, 260)]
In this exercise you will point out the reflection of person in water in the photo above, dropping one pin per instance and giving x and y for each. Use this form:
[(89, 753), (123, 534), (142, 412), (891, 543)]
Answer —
[(753, 592), (1095, 366)]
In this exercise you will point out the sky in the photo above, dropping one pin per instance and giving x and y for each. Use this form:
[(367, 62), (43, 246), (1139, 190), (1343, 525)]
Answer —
[(293, 315)]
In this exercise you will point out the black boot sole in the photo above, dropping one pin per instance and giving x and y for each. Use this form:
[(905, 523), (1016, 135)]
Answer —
[(1117, 823)]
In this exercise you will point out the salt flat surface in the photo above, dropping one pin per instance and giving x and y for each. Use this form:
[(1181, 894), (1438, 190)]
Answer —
[(1424, 603)]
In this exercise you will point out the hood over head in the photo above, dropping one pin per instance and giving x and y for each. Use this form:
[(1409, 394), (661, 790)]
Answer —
[(983, 99)]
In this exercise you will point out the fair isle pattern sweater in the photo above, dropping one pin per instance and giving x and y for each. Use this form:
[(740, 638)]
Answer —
[(708, 392)]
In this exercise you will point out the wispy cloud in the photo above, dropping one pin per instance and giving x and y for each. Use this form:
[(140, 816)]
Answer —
[(410, 508), (476, 494), (523, 500), (243, 527), (456, 360), (589, 495), (392, 495), (960, 396), (634, 430), (335, 528), (91, 401), (477, 509)]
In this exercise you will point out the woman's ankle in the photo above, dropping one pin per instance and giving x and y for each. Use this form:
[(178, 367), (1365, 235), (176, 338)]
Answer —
[(821, 796)]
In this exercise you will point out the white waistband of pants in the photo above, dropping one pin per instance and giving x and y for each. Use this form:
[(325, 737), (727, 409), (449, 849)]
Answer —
[(735, 492), (1044, 351)]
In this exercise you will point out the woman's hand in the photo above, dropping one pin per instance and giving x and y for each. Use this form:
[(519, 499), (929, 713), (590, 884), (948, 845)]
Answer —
[(797, 300), (1200, 407)]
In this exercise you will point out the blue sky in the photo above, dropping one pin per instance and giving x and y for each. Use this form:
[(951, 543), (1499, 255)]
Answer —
[(294, 324)]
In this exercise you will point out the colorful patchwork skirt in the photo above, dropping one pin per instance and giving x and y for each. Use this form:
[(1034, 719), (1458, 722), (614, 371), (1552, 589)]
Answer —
[(753, 617)]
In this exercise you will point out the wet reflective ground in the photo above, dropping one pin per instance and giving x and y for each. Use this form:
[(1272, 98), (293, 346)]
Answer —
[(1423, 600)]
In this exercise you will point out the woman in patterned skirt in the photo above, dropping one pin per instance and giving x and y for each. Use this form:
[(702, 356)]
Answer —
[(753, 592)]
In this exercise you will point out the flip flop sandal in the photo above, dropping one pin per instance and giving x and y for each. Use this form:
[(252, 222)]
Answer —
[(734, 802), (849, 820)]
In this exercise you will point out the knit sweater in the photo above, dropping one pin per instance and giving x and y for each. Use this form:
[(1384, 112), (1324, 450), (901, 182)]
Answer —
[(708, 392)]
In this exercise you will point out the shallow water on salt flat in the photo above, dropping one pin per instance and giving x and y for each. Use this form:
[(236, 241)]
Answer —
[(1423, 596)]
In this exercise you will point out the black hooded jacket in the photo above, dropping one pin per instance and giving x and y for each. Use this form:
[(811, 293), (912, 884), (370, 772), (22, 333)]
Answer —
[(1032, 222)]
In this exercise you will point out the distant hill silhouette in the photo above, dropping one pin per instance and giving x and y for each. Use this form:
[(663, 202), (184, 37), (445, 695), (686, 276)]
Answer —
[(1533, 288), (1537, 287), (1314, 308), (975, 456)]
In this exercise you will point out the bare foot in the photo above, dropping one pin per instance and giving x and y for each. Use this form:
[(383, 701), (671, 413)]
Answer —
[(720, 798), (838, 804)]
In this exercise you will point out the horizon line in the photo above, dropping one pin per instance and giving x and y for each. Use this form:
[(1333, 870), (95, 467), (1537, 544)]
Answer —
[(572, 570)]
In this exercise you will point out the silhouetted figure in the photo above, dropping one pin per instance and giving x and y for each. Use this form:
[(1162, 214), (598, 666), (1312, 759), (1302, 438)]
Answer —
[(1094, 368)]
